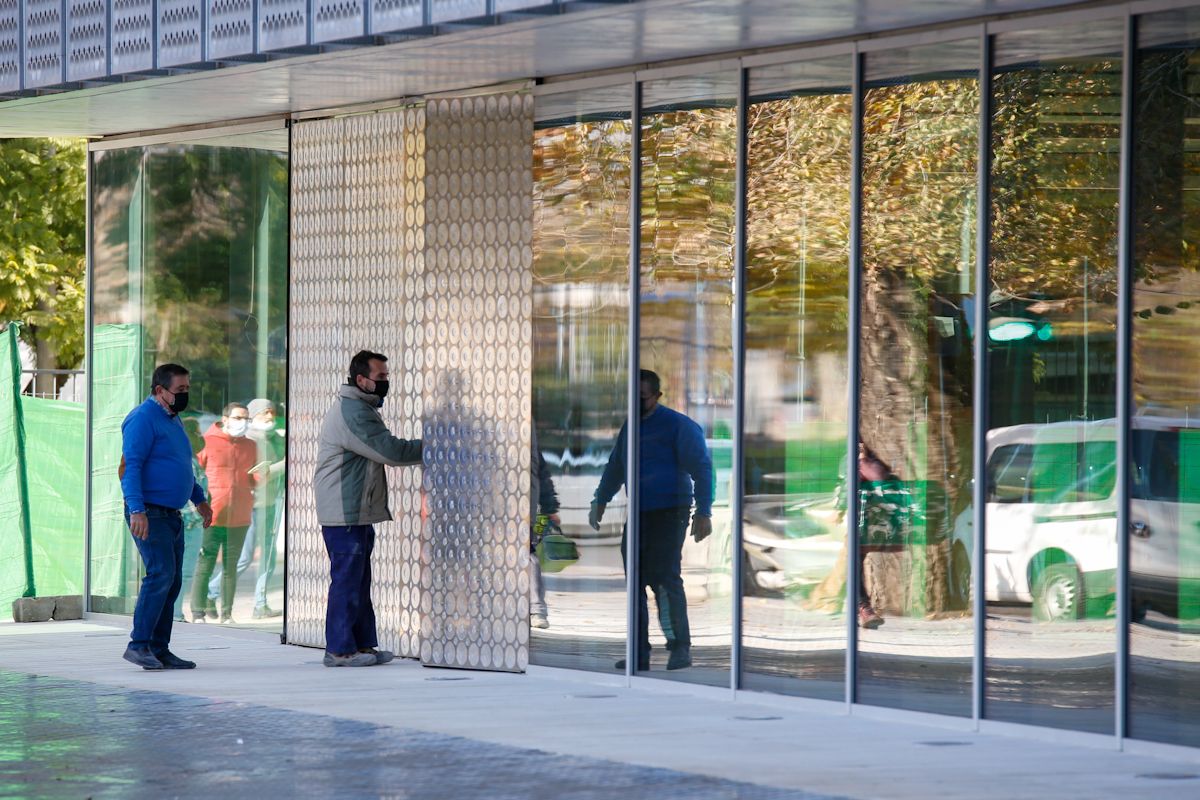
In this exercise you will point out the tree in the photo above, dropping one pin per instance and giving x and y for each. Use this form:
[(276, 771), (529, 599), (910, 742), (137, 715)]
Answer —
[(42, 240)]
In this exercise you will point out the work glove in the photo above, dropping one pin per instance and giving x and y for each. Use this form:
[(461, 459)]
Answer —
[(701, 528)]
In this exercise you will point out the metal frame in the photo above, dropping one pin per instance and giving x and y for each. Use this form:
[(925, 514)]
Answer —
[(1124, 374), (853, 379), (633, 401), (89, 314), (983, 236), (188, 134), (737, 490)]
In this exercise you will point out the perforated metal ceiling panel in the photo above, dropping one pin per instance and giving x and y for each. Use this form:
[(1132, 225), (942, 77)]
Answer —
[(282, 23), (87, 39), (230, 28), (180, 32), (337, 19), (43, 43), (132, 36), (10, 45)]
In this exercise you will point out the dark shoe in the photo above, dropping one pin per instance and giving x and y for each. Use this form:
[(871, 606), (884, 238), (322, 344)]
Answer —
[(265, 612), (867, 617), (352, 660), (381, 656), (643, 666), (681, 657), (142, 657), (171, 661)]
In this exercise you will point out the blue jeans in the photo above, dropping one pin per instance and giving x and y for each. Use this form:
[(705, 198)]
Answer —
[(162, 553), (660, 569), (349, 615)]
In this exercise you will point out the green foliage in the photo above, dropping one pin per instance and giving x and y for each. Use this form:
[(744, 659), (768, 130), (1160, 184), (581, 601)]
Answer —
[(42, 209)]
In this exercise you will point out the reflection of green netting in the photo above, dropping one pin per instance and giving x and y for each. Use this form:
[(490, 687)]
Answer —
[(54, 435), (16, 578), (116, 389)]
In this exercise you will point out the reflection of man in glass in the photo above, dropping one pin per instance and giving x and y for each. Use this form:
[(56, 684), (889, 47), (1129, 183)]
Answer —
[(193, 524), (544, 500), (673, 465), (228, 458)]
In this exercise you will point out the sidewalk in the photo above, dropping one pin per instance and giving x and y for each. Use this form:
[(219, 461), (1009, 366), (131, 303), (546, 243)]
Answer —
[(255, 708)]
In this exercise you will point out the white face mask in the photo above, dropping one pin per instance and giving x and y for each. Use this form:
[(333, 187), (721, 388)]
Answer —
[(262, 425), (236, 427)]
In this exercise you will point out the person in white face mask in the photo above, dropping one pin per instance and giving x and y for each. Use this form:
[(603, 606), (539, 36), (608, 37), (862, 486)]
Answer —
[(227, 458)]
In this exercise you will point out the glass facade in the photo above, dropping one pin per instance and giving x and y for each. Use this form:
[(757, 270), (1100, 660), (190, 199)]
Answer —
[(925, 272), (581, 183), (189, 261)]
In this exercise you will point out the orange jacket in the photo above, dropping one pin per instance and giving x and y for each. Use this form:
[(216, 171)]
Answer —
[(226, 461)]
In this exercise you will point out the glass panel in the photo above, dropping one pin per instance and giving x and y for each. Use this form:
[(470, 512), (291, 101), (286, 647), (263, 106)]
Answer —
[(1051, 554), (581, 168), (689, 153), (1164, 534), (920, 146), (797, 267), (190, 260)]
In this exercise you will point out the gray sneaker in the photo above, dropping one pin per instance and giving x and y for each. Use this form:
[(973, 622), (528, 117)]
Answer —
[(354, 660), (381, 656)]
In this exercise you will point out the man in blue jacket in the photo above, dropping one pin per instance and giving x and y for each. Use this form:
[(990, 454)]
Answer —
[(157, 481), (674, 466)]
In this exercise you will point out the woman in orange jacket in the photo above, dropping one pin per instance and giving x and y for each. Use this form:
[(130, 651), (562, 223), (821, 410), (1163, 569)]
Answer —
[(227, 458)]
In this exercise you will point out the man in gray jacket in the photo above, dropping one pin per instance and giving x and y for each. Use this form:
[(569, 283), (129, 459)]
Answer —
[(351, 490)]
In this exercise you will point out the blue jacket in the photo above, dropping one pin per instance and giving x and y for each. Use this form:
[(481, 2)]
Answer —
[(158, 460), (673, 457)]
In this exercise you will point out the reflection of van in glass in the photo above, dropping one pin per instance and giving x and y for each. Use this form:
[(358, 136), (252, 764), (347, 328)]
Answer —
[(1051, 518)]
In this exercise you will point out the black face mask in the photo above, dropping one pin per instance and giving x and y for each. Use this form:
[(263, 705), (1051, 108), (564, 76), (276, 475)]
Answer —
[(180, 402), (381, 389)]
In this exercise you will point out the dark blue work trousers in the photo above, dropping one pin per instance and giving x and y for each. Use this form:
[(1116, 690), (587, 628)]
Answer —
[(349, 615), (162, 553)]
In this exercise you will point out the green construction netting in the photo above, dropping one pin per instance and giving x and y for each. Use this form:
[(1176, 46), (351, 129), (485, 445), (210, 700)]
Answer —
[(41, 487)]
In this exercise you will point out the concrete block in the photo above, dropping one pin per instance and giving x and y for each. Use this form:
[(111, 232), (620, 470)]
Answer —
[(33, 609), (68, 606)]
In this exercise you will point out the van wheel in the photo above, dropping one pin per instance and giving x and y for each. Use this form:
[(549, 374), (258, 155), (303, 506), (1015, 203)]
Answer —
[(1058, 593)]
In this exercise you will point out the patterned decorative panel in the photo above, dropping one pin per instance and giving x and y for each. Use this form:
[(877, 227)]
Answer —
[(87, 39), (478, 303), (395, 15), (450, 10), (337, 19), (10, 45), (230, 28), (412, 235), (132, 36), (357, 217), (282, 23), (180, 32), (43, 43)]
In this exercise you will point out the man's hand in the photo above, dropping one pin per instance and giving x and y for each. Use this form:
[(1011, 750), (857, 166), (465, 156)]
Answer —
[(701, 528), (205, 512), (595, 514), (139, 526)]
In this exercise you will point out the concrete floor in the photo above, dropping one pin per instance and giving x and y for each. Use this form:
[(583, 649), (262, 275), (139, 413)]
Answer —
[(561, 734)]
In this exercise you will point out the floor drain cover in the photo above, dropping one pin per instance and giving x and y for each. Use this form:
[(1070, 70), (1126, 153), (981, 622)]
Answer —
[(757, 719), (1170, 776), (593, 696), (210, 647), (946, 744), (447, 679)]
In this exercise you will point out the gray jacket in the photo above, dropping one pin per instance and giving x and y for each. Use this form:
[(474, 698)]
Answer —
[(350, 483)]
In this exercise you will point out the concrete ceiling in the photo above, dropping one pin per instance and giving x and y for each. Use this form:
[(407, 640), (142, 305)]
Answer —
[(584, 40)]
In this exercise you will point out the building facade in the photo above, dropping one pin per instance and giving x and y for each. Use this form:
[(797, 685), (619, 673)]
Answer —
[(919, 275)]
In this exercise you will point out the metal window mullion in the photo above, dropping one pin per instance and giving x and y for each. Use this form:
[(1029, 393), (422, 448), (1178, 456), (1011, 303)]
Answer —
[(737, 490), (89, 311), (633, 399), (852, 381), (287, 371), (983, 232), (1124, 373)]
